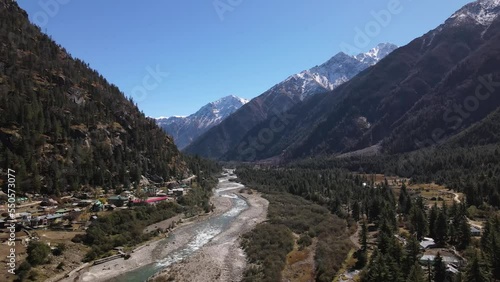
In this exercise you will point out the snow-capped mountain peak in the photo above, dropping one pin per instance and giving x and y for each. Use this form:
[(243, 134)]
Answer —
[(376, 54), (337, 70), (185, 129), (215, 111), (481, 11)]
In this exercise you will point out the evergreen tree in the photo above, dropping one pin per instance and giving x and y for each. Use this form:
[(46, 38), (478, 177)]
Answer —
[(439, 269), (355, 210), (452, 234), (464, 236), (382, 268), (490, 245), (485, 237), (432, 221), (418, 221), (476, 270), (403, 200), (441, 228), (363, 237), (385, 238), (494, 255), (412, 251), (416, 274)]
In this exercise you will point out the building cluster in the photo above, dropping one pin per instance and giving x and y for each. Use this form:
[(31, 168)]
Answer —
[(76, 211), (450, 257)]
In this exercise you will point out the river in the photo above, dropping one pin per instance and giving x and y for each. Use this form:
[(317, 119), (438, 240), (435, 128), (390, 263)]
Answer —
[(201, 232)]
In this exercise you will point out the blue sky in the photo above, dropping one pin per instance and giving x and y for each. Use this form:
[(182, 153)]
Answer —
[(204, 50)]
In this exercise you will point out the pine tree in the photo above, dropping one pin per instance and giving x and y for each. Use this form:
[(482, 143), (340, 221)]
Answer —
[(476, 270), (363, 237), (432, 221), (485, 237), (494, 255), (404, 200), (490, 245), (418, 221), (412, 251), (376, 270), (355, 210), (416, 274), (464, 236), (441, 228), (439, 269)]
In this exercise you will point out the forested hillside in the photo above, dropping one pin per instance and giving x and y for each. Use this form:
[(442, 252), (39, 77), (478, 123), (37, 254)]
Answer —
[(433, 89), (62, 125), (393, 219), (474, 171)]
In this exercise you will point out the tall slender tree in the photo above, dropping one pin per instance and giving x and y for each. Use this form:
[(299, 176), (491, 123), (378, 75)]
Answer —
[(416, 274), (439, 269), (476, 270)]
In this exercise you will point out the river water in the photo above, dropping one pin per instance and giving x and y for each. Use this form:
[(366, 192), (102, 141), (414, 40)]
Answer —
[(202, 233)]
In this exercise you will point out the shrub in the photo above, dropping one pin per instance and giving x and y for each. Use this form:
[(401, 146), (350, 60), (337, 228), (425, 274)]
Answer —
[(61, 247), (38, 253), (304, 240), (23, 270), (78, 238)]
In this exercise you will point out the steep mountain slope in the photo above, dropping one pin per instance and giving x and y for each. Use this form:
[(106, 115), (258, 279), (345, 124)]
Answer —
[(419, 95), (63, 126), (281, 97), (186, 129)]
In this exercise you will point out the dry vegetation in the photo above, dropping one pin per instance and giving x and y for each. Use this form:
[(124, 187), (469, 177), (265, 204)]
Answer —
[(300, 262), (317, 254), (431, 192)]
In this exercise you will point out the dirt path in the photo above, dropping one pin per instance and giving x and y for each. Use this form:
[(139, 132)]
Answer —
[(222, 259), (456, 198), (355, 237)]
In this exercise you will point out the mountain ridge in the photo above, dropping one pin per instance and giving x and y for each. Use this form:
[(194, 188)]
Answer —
[(282, 96), (184, 129), (63, 126), (400, 104)]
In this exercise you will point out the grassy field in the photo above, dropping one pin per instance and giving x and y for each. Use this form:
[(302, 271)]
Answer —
[(431, 192)]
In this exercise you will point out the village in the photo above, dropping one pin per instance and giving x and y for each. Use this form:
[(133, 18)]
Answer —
[(432, 194), (76, 212), (56, 220)]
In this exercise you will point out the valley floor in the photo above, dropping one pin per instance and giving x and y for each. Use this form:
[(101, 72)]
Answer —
[(222, 259)]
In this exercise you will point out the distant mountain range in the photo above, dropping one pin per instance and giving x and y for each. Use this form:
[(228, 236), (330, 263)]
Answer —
[(185, 129), (320, 79), (440, 89)]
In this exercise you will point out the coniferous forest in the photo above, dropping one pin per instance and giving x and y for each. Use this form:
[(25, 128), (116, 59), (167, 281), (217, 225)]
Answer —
[(391, 253), (63, 126), (347, 190)]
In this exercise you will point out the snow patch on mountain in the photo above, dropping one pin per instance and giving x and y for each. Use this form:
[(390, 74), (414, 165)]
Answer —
[(184, 129), (337, 70), (483, 12)]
